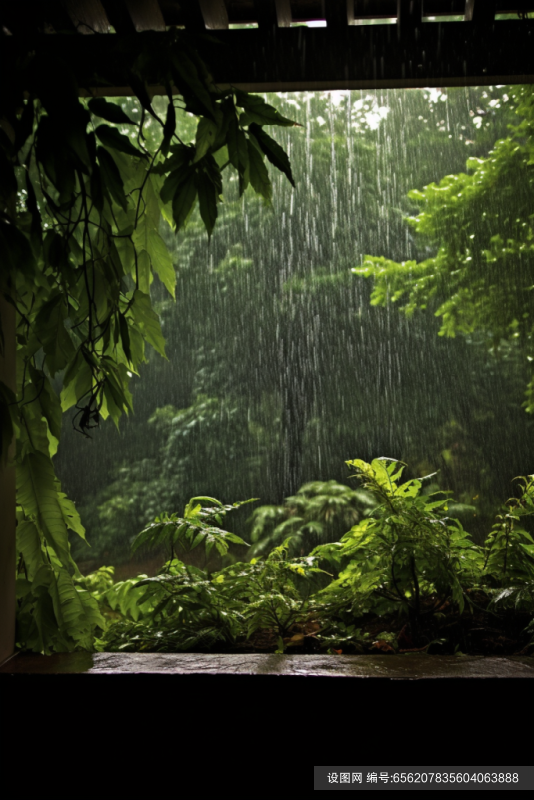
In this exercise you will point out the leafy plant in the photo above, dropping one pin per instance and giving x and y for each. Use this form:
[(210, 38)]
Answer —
[(406, 561), (82, 196), (509, 547), (194, 528), (320, 512), (405, 552), (480, 279)]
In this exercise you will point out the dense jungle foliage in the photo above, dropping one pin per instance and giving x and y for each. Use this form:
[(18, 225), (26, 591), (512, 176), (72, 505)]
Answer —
[(280, 363), (279, 367), (406, 578), (84, 198)]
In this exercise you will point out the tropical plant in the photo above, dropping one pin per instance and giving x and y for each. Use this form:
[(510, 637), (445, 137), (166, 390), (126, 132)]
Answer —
[(509, 546), (184, 607), (320, 512), (82, 196), (406, 553), (407, 562), (480, 222)]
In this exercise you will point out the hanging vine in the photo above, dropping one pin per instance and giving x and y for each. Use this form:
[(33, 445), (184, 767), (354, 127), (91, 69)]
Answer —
[(81, 201)]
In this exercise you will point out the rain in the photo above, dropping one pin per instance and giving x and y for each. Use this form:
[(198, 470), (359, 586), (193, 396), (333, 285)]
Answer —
[(279, 367)]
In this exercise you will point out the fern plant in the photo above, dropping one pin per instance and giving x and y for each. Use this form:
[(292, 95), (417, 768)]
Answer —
[(509, 547), (320, 512), (407, 550), (195, 527)]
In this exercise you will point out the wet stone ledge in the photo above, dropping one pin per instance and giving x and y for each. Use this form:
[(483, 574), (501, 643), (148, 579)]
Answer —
[(395, 667)]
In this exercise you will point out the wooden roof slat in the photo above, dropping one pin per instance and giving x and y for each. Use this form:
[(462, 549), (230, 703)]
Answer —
[(337, 12), (118, 16), (145, 14), (480, 11), (293, 59), (273, 13), (375, 9), (214, 13), (189, 13), (87, 16), (443, 8), (409, 14)]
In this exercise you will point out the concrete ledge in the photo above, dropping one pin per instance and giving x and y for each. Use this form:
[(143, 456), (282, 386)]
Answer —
[(395, 667)]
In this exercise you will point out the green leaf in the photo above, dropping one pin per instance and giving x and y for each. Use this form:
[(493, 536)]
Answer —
[(260, 112), (110, 137), (190, 85), (113, 182), (147, 319), (259, 177), (140, 90), (205, 137), (111, 112), (50, 329), (38, 495), (207, 200), (169, 127), (174, 180), (162, 261), (125, 336), (76, 381), (276, 155), (184, 200), (29, 544)]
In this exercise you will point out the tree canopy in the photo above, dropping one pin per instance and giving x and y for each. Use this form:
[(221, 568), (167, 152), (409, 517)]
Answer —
[(481, 224)]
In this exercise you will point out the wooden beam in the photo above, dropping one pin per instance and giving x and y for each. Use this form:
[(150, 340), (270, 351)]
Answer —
[(480, 11), (409, 14), (273, 13), (87, 16), (7, 496), (374, 9), (338, 12), (214, 13), (145, 14), (192, 15), (365, 56)]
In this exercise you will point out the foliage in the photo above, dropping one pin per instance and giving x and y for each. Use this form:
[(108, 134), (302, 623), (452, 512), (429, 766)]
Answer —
[(194, 528), (83, 191), (279, 369), (182, 442), (481, 277), (184, 607), (406, 558), (509, 547), (406, 549), (320, 512)]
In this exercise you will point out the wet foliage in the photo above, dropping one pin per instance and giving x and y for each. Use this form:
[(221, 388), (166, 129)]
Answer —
[(406, 578)]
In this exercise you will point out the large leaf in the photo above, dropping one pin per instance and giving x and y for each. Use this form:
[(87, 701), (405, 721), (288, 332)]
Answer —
[(49, 328), (111, 112), (112, 178), (184, 200), (205, 137), (259, 177), (38, 495), (148, 321), (29, 544), (111, 137), (162, 261), (276, 155), (260, 112), (207, 200)]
